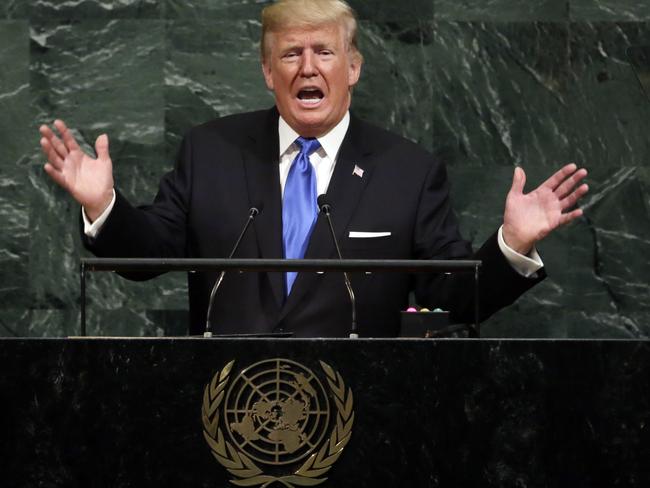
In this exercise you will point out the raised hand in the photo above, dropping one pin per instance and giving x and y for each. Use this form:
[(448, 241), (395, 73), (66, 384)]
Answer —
[(530, 217), (88, 180)]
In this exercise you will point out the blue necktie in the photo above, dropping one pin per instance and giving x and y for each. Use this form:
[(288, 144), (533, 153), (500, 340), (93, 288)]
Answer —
[(299, 206)]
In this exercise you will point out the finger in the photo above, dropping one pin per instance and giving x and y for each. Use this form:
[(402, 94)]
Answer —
[(570, 200), (52, 156), (101, 147), (45, 131), (45, 146), (56, 143), (518, 180), (559, 176), (570, 183), (68, 139), (570, 216), (56, 175)]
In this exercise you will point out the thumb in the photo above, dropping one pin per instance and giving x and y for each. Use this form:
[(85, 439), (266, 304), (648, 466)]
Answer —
[(101, 147), (518, 180)]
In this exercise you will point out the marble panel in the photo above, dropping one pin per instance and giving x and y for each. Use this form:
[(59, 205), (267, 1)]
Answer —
[(609, 10), (391, 11), (14, 239), (499, 97), (619, 212), (101, 77), (609, 121), (16, 140), (396, 86), (14, 9), (131, 319), (115, 306), (212, 69), (214, 9), (501, 10), (250, 9), (541, 95), (611, 124), (14, 92), (50, 322), (43, 10), (14, 321)]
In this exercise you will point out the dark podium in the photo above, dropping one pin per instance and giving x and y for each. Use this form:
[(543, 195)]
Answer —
[(408, 412)]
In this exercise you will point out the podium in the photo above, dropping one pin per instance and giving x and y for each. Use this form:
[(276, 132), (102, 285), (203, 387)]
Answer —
[(409, 412)]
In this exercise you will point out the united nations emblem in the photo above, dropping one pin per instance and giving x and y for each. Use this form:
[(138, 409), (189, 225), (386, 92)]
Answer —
[(273, 422)]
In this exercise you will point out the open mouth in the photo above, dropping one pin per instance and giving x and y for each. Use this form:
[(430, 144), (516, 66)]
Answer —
[(310, 96)]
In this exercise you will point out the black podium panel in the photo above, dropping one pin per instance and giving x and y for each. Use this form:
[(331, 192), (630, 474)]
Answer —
[(128, 412)]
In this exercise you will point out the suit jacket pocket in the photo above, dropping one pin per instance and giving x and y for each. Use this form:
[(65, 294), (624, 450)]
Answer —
[(369, 248)]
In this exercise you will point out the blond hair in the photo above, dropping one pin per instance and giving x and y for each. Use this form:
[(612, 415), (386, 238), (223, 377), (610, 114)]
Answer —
[(284, 14)]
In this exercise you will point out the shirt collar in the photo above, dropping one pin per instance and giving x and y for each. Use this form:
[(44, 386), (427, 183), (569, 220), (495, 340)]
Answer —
[(330, 142)]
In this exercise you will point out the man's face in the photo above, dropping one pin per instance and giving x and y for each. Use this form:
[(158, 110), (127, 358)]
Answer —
[(311, 72)]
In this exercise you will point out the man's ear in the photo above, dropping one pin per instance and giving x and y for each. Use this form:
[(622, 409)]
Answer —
[(354, 69), (266, 69)]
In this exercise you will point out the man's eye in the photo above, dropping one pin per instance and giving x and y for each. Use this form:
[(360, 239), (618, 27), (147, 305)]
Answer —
[(290, 55), (325, 52)]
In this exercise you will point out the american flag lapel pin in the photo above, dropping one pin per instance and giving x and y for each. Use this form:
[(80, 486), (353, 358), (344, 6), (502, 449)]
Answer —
[(357, 171)]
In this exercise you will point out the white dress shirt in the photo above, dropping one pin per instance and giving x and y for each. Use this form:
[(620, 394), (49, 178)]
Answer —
[(324, 160)]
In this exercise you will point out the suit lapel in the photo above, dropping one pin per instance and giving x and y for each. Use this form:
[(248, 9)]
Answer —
[(261, 163), (343, 195)]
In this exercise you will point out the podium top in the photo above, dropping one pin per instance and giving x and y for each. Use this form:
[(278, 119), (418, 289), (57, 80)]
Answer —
[(359, 265)]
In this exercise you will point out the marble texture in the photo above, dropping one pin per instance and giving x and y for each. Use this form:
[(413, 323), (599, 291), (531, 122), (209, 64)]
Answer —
[(95, 9), (406, 10), (402, 11), (396, 88), (14, 9), (116, 68), (609, 10), (15, 127), (489, 413), (484, 85), (511, 95), (212, 69), (214, 9), (501, 10)]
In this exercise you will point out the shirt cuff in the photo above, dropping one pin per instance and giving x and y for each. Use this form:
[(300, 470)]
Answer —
[(91, 229), (524, 265)]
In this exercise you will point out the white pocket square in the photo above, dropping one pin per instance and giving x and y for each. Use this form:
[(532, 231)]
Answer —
[(367, 235)]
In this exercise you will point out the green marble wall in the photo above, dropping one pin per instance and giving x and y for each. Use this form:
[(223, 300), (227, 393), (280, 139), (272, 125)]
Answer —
[(484, 84)]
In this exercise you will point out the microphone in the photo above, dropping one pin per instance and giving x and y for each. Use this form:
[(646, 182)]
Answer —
[(326, 209), (252, 213)]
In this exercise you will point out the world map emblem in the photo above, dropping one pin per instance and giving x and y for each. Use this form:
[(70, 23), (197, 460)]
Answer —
[(277, 422)]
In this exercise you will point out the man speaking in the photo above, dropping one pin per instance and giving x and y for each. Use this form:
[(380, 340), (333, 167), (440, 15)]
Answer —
[(389, 199)]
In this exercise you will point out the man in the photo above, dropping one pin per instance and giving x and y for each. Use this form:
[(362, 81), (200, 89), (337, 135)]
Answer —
[(389, 198)]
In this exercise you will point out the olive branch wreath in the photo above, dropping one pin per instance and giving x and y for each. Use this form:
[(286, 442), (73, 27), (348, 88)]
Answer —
[(241, 466)]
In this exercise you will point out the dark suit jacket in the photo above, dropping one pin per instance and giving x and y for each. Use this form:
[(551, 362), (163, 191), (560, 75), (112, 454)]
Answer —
[(230, 164)]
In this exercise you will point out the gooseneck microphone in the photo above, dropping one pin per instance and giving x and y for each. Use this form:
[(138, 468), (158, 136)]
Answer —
[(252, 213), (325, 208)]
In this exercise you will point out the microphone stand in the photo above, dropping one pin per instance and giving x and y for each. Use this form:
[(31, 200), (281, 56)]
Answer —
[(252, 213), (325, 208)]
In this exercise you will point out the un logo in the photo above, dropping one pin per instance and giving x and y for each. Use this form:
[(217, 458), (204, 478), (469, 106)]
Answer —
[(273, 422)]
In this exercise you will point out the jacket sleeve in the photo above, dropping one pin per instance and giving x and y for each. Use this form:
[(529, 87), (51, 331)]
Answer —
[(155, 230), (437, 237)]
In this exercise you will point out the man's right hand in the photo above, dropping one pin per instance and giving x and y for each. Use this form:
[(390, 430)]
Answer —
[(88, 180)]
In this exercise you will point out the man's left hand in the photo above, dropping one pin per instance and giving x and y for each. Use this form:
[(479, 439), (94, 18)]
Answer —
[(528, 218)]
